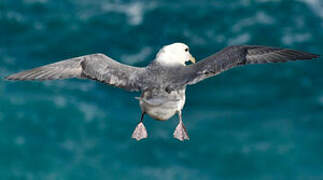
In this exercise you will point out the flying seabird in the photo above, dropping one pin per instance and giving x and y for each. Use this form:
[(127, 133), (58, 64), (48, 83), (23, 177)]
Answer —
[(163, 82)]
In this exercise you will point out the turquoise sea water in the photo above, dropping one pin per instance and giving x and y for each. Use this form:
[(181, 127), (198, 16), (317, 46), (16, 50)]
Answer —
[(256, 122)]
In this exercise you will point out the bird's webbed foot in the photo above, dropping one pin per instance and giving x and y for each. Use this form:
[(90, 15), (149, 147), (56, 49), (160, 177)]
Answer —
[(140, 131), (180, 132)]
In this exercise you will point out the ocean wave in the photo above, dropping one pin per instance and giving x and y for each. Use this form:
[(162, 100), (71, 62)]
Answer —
[(290, 38), (240, 39), (135, 11), (141, 56), (259, 18), (315, 5)]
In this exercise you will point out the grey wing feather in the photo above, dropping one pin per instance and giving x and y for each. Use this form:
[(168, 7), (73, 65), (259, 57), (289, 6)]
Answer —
[(96, 67), (234, 56)]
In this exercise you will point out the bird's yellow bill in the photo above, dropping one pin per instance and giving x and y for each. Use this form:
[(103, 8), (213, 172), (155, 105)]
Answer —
[(192, 59)]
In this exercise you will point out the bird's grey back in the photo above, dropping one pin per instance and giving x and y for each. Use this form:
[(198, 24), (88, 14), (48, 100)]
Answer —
[(161, 77)]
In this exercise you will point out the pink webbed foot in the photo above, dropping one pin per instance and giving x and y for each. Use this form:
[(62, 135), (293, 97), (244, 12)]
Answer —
[(180, 132), (140, 132)]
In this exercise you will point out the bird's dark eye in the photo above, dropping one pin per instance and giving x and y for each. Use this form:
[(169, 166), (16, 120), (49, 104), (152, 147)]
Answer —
[(186, 49)]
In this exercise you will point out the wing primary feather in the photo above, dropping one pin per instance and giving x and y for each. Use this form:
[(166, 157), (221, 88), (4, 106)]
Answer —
[(97, 67), (234, 56)]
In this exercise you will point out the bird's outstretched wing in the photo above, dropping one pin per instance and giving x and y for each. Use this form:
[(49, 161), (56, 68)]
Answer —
[(240, 55), (95, 66)]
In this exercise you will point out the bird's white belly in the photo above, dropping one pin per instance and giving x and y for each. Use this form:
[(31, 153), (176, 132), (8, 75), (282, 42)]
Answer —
[(162, 108)]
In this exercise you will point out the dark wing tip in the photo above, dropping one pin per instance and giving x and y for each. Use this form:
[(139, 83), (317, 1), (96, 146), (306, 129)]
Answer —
[(305, 54), (315, 56), (263, 54), (31, 75), (11, 78), (294, 54), (15, 78), (21, 76)]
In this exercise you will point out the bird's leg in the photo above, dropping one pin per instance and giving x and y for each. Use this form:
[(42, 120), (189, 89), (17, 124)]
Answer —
[(140, 132), (180, 132)]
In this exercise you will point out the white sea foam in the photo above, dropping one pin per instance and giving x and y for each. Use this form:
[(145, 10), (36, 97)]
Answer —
[(198, 38), (240, 39), (259, 18), (315, 5), (14, 16), (90, 111), (135, 11), (69, 145), (137, 57), (38, 26), (259, 146), (290, 38), (19, 140), (59, 101)]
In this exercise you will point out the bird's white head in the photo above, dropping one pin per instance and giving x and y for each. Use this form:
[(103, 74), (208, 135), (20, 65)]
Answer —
[(174, 54)]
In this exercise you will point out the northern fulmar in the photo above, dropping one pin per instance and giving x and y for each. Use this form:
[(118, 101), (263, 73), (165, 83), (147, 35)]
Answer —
[(163, 82)]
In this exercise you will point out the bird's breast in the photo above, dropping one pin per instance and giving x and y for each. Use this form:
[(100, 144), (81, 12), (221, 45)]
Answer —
[(160, 105)]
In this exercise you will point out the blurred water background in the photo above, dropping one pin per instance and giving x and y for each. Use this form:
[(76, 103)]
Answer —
[(256, 122)]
